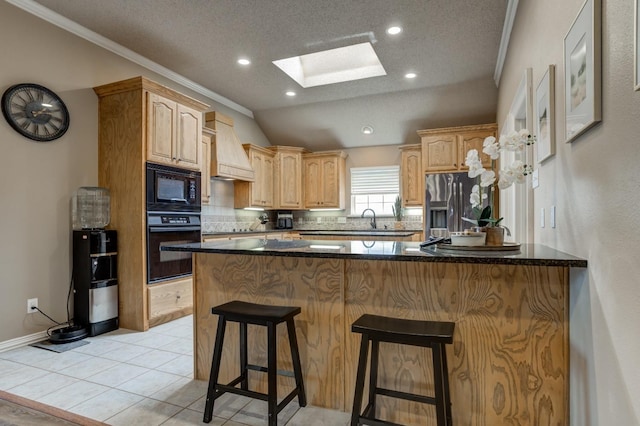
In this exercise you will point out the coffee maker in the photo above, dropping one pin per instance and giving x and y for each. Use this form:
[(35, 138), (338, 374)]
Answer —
[(284, 221)]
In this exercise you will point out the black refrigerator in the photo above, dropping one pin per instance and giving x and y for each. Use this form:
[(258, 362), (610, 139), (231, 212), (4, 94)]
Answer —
[(447, 202), (95, 280)]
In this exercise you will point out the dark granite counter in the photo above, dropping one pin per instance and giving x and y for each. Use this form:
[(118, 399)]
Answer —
[(362, 233), (528, 254)]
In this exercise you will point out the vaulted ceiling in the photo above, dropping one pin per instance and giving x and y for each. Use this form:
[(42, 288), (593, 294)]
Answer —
[(452, 46)]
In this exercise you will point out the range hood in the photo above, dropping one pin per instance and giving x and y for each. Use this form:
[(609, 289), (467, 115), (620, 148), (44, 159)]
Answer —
[(228, 158)]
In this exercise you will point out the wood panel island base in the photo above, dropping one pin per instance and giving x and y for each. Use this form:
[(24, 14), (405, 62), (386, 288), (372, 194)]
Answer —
[(509, 360)]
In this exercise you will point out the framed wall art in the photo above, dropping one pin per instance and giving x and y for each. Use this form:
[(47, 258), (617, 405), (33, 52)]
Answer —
[(637, 47), (545, 115), (582, 71)]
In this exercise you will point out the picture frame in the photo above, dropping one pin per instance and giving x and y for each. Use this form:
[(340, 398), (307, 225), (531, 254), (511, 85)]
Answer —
[(583, 71), (636, 50), (545, 115)]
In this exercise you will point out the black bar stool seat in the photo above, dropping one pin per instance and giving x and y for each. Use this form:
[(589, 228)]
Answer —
[(269, 316), (376, 329)]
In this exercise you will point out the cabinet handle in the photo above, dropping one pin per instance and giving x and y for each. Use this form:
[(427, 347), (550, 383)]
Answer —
[(177, 296)]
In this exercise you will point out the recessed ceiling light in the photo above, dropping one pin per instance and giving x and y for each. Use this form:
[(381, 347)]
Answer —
[(290, 93), (394, 30), (244, 61), (410, 75), (367, 130), (333, 66)]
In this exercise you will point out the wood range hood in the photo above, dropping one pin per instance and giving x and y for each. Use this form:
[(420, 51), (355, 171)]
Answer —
[(228, 158)]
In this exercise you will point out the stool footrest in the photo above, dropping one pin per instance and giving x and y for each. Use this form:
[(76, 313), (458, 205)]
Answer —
[(266, 370), (405, 395), (251, 394)]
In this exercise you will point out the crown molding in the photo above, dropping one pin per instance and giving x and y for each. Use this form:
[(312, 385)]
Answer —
[(510, 16), (66, 24)]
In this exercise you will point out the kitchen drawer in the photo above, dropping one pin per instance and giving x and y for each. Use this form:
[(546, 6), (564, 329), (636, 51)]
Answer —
[(168, 301)]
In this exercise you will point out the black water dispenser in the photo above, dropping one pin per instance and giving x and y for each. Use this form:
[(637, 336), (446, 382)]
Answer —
[(95, 278)]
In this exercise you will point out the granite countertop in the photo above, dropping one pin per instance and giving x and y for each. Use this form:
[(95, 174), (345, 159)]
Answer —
[(362, 232), (348, 232), (528, 254)]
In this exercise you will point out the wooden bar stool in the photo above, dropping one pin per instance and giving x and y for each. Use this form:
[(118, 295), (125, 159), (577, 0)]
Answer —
[(269, 316), (433, 334)]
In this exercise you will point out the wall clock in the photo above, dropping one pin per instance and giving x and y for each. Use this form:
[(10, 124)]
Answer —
[(35, 112)]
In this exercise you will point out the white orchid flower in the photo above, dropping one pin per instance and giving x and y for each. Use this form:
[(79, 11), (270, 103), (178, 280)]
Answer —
[(475, 196), (487, 178), (491, 148)]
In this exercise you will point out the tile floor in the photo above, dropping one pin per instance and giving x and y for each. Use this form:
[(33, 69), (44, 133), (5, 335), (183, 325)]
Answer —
[(138, 378)]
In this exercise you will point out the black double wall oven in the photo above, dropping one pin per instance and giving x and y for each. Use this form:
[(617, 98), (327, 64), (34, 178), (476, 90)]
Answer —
[(173, 217)]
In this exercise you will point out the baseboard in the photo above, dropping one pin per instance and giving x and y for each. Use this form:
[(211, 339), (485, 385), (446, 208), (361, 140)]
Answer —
[(7, 345)]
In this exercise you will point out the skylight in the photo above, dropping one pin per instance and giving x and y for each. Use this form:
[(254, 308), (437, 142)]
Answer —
[(333, 66)]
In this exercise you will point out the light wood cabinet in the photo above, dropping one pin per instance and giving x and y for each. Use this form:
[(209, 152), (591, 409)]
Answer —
[(324, 179), (168, 301), (260, 192), (445, 150), (288, 177), (124, 144), (412, 176), (173, 133), (205, 178)]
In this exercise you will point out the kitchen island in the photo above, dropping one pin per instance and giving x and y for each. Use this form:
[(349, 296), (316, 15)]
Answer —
[(509, 360)]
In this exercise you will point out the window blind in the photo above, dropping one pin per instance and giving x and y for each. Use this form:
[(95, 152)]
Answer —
[(375, 180)]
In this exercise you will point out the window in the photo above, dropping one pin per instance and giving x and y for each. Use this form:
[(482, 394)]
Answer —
[(374, 188)]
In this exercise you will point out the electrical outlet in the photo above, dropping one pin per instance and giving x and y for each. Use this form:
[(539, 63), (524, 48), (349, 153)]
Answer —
[(31, 305), (319, 219), (542, 217), (552, 216), (342, 219)]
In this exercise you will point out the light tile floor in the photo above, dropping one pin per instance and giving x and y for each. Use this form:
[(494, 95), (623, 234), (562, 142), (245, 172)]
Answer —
[(138, 378)]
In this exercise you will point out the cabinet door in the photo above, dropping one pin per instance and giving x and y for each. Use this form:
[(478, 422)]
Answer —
[(188, 141), (257, 164), (267, 180), (473, 140), (330, 183), (412, 178), (440, 153), (312, 182), (161, 129), (290, 176)]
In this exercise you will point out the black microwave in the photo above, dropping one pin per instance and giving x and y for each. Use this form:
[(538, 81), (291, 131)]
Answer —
[(172, 189)]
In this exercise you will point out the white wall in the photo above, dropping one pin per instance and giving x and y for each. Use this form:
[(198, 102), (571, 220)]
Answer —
[(37, 180), (594, 183)]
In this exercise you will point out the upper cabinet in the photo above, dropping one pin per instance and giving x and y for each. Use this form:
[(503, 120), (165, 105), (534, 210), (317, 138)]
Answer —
[(324, 179), (446, 149), (412, 176), (260, 192), (288, 177), (173, 133)]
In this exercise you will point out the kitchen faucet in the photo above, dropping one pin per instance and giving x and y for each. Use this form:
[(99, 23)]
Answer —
[(373, 219)]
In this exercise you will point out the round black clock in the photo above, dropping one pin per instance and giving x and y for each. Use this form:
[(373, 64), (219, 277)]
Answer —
[(35, 112)]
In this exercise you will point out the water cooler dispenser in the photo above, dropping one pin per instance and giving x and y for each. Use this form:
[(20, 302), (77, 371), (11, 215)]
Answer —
[(95, 277)]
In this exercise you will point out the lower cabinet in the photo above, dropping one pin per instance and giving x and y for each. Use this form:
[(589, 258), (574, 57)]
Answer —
[(168, 301)]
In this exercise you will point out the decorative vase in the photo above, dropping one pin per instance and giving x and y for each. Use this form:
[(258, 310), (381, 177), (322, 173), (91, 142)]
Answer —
[(495, 235)]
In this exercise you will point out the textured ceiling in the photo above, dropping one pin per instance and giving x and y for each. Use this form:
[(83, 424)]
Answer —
[(451, 44)]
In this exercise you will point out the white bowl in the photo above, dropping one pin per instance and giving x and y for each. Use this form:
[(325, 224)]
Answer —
[(468, 238)]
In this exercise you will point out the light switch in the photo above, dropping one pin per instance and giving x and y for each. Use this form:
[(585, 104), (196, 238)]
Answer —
[(319, 219), (542, 217), (552, 216), (534, 179)]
